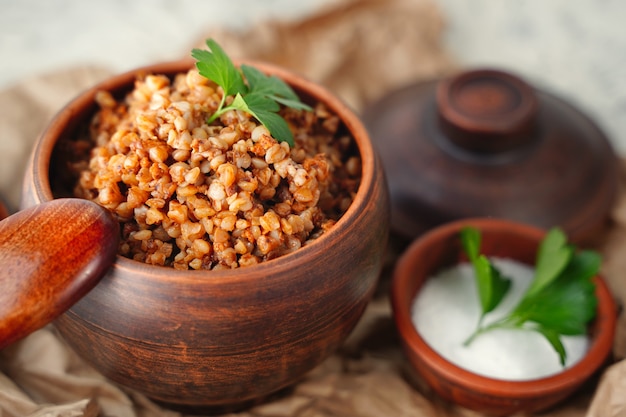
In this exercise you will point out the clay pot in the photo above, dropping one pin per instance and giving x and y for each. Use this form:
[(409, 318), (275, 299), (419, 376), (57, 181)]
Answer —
[(484, 143), (223, 338), (441, 247)]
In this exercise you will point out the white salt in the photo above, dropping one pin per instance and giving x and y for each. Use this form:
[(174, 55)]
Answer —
[(446, 312)]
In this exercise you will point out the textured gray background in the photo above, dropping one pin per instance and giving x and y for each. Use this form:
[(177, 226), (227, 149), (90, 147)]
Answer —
[(574, 48)]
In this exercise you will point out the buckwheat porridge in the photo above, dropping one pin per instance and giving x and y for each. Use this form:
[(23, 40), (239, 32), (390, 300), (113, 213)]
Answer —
[(196, 196)]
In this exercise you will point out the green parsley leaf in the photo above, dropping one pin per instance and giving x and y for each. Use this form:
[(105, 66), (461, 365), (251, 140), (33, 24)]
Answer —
[(492, 285), (263, 110), (272, 87), (552, 257), (555, 341), (470, 238), (568, 303), (261, 97), (215, 65), (561, 298)]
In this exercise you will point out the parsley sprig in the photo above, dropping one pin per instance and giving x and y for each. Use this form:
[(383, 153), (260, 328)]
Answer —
[(560, 300), (255, 93)]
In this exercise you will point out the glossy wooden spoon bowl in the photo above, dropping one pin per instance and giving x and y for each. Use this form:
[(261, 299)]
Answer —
[(51, 255), (3, 211)]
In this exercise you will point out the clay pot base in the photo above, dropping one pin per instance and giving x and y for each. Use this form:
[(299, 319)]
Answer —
[(217, 410)]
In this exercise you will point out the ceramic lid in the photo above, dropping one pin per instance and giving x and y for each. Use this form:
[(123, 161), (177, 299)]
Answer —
[(484, 143)]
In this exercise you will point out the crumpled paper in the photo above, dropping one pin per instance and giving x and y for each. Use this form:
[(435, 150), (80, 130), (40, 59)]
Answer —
[(360, 50), (26, 109)]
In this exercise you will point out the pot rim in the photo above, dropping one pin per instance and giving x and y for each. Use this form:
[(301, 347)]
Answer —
[(568, 379), (370, 164)]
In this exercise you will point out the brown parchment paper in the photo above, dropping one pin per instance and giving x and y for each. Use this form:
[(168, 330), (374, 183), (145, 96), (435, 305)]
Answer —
[(360, 50)]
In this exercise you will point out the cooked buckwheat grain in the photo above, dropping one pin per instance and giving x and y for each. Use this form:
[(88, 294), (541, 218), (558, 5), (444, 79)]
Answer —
[(196, 196)]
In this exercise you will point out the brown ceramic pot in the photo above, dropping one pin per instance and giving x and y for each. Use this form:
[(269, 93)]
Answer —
[(3, 211), (218, 338), (441, 247)]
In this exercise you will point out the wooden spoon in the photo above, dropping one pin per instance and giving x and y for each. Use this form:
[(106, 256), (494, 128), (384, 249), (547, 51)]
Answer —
[(3, 211), (51, 255)]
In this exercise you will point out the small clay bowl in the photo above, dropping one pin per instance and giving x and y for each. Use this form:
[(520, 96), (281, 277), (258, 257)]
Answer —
[(440, 248), (223, 339)]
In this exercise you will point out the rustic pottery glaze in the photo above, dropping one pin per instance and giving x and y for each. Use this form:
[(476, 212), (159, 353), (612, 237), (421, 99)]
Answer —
[(441, 247), (3, 211), (223, 338), (47, 263), (484, 143)]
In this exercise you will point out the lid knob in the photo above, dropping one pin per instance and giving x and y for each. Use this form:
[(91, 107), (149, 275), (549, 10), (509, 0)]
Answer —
[(486, 111)]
